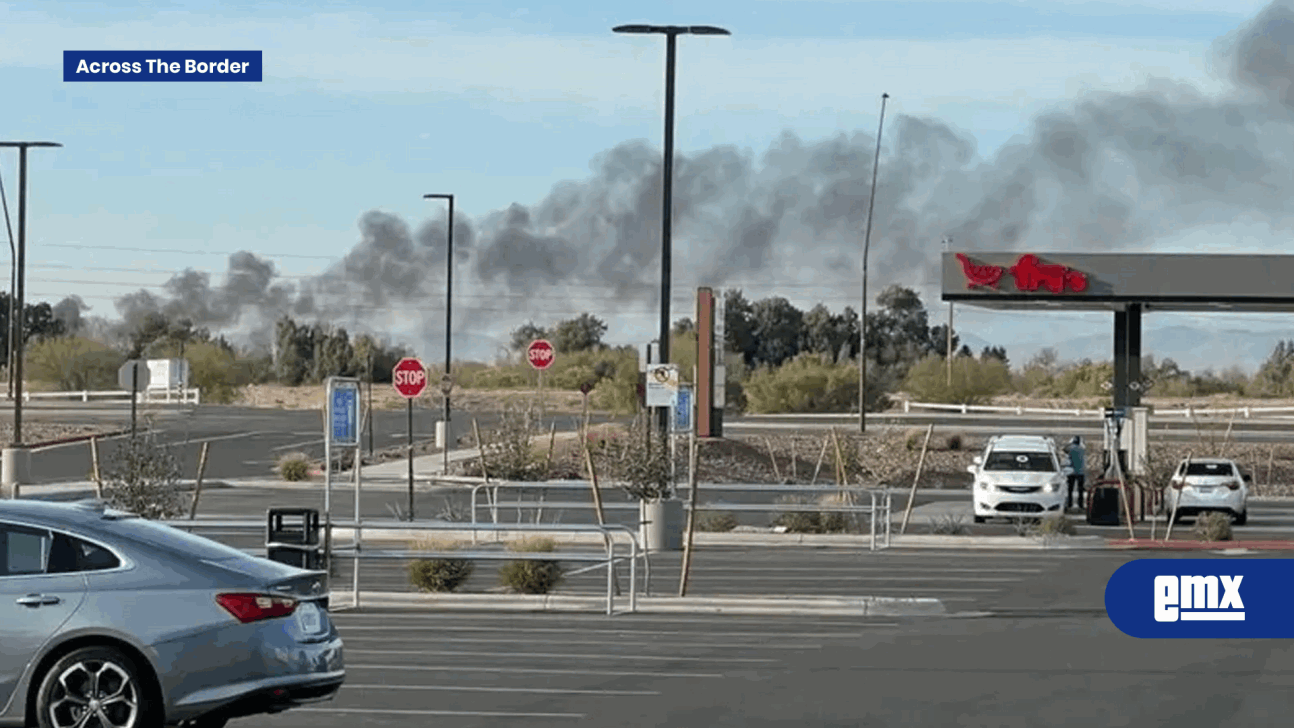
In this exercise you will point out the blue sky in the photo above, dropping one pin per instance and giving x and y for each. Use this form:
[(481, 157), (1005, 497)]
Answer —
[(369, 105)]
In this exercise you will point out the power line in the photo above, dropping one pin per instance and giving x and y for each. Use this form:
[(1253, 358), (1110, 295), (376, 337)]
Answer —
[(182, 251)]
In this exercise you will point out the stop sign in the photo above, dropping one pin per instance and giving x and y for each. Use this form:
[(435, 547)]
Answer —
[(409, 377), (540, 354)]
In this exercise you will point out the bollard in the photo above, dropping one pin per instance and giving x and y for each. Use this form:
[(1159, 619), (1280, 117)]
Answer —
[(13, 471)]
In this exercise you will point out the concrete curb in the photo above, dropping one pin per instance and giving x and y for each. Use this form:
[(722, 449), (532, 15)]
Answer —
[(833, 606), (1148, 545), (75, 439)]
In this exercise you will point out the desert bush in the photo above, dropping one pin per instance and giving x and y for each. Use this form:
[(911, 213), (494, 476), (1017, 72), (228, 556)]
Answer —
[(142, 477), (949, 524), (913, 439), (974, 381), (1212, 526), (294, 467), (798, 521), (955, 441), (439, 575), (1057, 525), (640, 462), (531, 577), (74, 363), (1023, 525), (808, 384), (509, 448), (712, 522)]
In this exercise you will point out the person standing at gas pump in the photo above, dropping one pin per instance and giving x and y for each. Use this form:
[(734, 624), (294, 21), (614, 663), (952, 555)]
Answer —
[(1077, 478)]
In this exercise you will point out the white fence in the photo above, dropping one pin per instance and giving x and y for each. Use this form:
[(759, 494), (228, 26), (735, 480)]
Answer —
[(149, 396), (1186, 412)]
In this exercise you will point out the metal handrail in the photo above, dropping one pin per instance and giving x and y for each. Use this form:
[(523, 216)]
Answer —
[(356, 551), (872, 509)]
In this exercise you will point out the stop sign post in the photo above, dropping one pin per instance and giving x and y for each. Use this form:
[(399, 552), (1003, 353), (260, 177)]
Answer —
[(410, 379), (541, 356)]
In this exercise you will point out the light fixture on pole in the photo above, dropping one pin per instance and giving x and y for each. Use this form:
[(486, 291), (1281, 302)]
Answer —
[(671, 33), (13, 472), (449, 320), (867, 241)]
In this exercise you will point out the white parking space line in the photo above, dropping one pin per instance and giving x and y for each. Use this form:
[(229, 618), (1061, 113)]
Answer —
[(558, 655), (297, 445), (618, 642), (534, 670), (615, 632), (441, 713), (713, 579), (473, 689), (900, 568)]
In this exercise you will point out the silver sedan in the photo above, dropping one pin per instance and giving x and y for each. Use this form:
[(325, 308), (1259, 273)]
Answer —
[(108, 620)]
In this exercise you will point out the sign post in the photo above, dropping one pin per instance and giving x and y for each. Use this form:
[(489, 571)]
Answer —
[(541, 356), (446, 386), (341, 429), (134, 377), (410, 378)]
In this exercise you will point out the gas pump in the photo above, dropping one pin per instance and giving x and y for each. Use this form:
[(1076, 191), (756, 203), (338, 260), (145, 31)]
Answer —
[(1103, 498)]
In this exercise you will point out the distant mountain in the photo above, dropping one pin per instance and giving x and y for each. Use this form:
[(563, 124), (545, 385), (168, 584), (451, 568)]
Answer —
[(1193, 349)]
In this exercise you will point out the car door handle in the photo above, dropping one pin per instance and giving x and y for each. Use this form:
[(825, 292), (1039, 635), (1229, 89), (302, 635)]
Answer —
[(36, 600)]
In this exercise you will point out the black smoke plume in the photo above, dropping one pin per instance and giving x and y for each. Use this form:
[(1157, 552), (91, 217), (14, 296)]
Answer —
[(1109, 171)]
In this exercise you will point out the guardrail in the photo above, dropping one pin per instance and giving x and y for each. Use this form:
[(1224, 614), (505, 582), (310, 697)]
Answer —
[(882, 508), (190, 395), (1246, 412), (356, 551)]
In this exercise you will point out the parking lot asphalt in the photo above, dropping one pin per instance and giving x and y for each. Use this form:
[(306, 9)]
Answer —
[(244, 441), (1041, 656)]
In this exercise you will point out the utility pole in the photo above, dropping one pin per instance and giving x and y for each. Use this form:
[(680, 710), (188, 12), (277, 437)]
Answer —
[(14, 457), (867, 242)]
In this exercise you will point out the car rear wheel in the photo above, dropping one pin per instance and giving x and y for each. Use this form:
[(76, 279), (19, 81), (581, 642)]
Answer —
[(1241, 518), (981, 519), (96, 686)]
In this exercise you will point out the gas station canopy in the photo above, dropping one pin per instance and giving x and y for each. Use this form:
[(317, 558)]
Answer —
[(1127, 284)]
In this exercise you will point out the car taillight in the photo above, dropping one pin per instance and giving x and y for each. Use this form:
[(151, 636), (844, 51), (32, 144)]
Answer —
[(1233, 484), (1177, 484), (255, 607)]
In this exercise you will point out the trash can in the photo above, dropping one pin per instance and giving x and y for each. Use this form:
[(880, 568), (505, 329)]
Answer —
[(1103, 504), (292, 537)]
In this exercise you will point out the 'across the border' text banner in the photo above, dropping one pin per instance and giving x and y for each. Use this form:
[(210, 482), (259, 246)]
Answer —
[(225, 66)]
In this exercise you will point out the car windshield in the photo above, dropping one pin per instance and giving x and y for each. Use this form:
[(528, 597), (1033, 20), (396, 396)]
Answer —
[(1210, 470), (1034, 462), (160, 535)]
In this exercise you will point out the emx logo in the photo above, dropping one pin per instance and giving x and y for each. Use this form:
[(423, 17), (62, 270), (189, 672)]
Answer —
[(1195, 598), (1238, 597)]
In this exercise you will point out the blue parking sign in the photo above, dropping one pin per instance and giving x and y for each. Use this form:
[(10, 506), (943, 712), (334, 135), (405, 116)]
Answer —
[(343, 414), (683, 409)]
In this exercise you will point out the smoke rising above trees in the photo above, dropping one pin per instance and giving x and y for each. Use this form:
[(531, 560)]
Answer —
[(1106, 172)]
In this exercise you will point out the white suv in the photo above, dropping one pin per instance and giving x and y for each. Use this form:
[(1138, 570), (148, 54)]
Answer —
[(1018, 475)]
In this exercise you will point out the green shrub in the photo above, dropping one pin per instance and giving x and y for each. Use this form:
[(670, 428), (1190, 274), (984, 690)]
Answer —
[(294, 467), (1057, 525), (439, 575), (913, 439), (974, 381), (531, 577), (949, 524), (808, 384), (1213, 526), (73, 363), (715, 522), (813, 521)]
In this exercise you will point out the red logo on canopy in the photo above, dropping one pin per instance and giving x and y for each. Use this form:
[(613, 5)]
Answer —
[(1030, 274)]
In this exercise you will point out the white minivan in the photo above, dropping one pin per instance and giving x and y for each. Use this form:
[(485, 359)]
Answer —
[(1018, 476)]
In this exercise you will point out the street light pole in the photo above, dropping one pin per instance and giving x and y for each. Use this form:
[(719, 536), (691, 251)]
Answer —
[(867, 242), (12, 472), (671, 33), (13, 285), (449, 308)]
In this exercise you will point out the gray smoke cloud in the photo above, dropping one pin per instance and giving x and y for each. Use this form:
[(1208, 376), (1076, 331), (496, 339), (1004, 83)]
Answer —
[(1108, 171)]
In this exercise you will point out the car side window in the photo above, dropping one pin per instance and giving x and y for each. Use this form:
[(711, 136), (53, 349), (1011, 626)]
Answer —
[(69, 554), (23, 551)]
